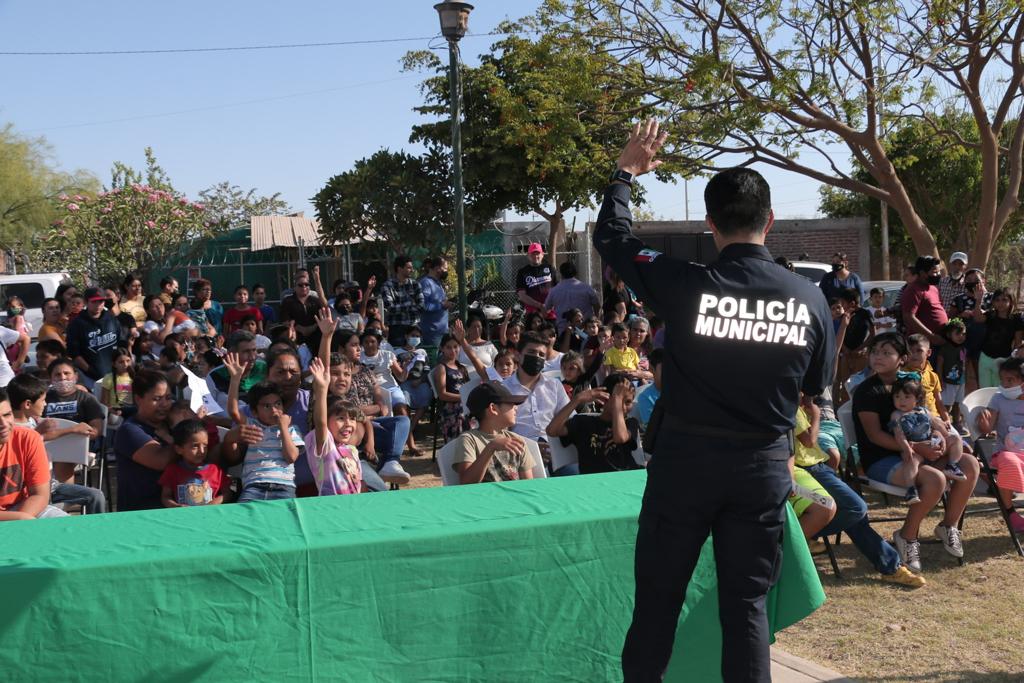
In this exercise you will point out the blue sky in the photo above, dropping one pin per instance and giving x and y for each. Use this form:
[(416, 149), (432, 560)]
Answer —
[(278, 120)]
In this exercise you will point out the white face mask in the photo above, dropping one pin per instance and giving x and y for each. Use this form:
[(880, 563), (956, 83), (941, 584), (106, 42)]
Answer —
[(1012, 393)]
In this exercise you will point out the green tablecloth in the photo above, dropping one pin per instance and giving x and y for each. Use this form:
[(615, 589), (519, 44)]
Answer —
[(527, 581)]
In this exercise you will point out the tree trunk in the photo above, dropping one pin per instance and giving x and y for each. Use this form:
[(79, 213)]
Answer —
[(556, 231)]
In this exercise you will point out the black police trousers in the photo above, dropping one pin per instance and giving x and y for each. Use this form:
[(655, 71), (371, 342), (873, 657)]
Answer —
[(737, 492)]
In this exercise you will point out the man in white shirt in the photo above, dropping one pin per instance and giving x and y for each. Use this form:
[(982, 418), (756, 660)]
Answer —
[(545, 396)]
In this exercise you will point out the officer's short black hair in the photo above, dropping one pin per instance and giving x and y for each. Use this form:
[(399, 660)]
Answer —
[(923, 264), (738, 201), (567, 270)]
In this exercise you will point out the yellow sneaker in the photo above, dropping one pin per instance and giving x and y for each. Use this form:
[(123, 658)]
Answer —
[(905, 577), (816, 546)]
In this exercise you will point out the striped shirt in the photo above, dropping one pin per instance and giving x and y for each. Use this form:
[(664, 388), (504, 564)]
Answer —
[(264, 462)]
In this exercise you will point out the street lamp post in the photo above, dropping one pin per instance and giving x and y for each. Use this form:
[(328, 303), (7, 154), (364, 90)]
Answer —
[(454, 24)]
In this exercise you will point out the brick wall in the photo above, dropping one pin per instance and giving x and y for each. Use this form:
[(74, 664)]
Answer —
[(819, 245)]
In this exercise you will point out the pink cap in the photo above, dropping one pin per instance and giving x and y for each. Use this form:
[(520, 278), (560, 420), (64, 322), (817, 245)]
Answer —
[(535, 248)]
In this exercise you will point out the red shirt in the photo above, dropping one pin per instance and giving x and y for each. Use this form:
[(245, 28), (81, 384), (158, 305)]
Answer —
[(233, 317), (23, 463), (923, 301), (192, 486)]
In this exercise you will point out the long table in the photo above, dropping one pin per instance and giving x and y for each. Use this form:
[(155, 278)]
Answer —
[(524, 581)]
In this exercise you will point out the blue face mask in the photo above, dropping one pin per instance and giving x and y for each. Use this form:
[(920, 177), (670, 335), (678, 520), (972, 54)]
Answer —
[(413, 341)]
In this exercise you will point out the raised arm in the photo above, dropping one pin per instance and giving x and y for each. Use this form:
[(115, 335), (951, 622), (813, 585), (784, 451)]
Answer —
[(620, 432), (557, 427), (319, 286), (459, 333), (370, 284), (321, 379), (325, 321), (235, 369)]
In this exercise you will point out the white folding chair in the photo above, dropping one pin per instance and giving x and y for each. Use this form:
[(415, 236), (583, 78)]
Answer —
[(101, 455), (562, 455), (538, 469), (435, 411), (971, 408), (70, 448)]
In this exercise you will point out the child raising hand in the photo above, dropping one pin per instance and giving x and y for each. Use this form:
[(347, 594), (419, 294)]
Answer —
[(331, 446)]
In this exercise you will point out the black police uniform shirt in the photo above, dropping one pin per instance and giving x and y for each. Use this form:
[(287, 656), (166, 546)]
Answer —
[(743, 336)]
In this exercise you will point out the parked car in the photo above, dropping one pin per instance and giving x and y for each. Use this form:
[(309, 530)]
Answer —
[(891, 287), (32, 289), (812, 270)]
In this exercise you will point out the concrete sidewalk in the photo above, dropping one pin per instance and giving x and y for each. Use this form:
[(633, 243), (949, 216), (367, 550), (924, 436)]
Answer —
[(787, 668)]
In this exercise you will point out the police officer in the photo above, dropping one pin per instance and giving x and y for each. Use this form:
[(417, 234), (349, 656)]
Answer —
[(743, 338)]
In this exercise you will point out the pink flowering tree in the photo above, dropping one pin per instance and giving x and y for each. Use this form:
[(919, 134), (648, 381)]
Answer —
[(103, 236), (139, 224)]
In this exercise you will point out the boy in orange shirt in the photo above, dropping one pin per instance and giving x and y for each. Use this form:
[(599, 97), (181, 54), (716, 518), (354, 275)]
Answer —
[(24, 471)]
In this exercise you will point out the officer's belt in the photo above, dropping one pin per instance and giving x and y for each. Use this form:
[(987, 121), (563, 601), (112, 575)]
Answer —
[(679, 424)]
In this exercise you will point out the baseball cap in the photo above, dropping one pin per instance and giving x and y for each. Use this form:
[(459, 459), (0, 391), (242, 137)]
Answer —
[(958, 256), (95, 294), (535, 248), (486, 394)]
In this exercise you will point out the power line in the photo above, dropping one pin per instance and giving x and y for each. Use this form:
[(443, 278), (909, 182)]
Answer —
[(237, 48), (221, 106)]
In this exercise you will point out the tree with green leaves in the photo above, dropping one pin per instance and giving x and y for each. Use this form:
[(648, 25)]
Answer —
[(229, 205), (393, 197), (131, 226), (943, 181), (30, 184), (544, 116), (780, 82)]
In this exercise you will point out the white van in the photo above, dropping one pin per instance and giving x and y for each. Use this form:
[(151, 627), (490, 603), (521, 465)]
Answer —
[(31, 288)]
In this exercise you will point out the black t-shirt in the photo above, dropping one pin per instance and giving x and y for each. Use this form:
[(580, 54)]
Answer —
[(598, 452), (858, 329), (952, 363), (79, 407), (872, 396), (536, 280), (999, 333), (138, 487)]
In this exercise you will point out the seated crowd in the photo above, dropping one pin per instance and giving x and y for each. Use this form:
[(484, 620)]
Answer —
[(323, 395)]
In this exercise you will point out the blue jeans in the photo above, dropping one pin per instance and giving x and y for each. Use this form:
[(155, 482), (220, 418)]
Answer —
[(569, 470), (266, 492), (92, 500), (852, 517), (371, 478), (389, 436)]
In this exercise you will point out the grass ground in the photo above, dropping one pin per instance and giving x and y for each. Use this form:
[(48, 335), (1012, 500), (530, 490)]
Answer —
[(965, 625)]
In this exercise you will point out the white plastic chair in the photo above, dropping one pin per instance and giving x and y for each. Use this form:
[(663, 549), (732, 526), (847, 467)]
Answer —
[(846, 420), (449, 477), (70, 448), (971, 408), (553, 374), (562, 455)]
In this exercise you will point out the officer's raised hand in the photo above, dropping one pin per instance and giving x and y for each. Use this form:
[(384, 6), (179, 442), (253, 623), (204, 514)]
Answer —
[(637, 157)]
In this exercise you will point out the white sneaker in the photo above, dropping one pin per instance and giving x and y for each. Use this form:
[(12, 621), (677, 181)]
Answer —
[(393, 473), (950, 537), (910, 552)]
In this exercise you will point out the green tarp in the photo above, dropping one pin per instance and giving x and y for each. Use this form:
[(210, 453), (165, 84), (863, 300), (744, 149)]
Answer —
[(527, 581)]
